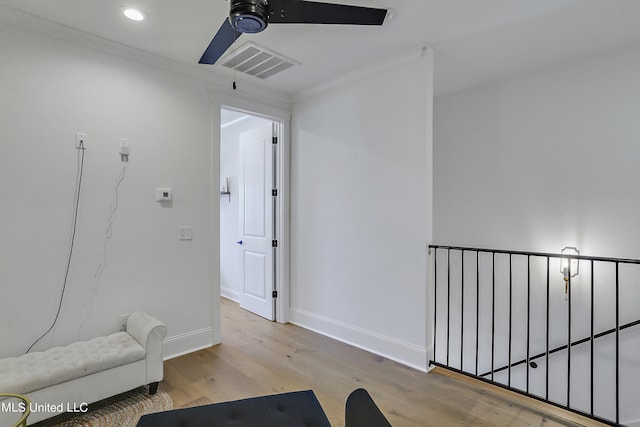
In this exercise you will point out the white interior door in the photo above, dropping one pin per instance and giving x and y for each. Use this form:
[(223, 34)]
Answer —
[(256, 221)]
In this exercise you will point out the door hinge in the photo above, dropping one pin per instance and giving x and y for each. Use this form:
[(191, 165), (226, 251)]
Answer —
[(274, 140), (274, 294), (274, 192), (274, 243)]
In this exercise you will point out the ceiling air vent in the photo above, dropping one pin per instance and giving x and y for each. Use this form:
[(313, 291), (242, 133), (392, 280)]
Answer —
[(257, 61)]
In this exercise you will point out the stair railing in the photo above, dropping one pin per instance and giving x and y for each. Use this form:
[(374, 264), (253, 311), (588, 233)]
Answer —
[(497, 315)]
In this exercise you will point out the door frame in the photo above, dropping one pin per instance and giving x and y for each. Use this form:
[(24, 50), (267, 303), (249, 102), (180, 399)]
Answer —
[(282, 117)]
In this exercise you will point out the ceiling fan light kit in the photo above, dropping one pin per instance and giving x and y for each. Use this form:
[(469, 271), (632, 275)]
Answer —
[(253, 16), (249, 16)]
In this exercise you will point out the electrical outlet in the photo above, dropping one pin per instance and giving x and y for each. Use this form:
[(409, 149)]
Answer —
[(124, 150), (81, 140), (123, 321), (186, 232)]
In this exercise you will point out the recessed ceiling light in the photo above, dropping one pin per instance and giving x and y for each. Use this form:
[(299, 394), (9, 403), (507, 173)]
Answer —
[(134, 14)]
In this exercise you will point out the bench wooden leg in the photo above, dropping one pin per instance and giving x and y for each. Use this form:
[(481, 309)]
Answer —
[(153, 388)]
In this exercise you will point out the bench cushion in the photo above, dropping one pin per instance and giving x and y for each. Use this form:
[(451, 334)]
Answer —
[(37, 370), (295, 409)]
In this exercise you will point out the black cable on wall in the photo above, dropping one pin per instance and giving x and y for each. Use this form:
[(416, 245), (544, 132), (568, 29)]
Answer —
[(73, 236)]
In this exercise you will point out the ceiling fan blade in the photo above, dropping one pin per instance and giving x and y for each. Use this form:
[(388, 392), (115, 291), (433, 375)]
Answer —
[(309, 12), (223, 39)]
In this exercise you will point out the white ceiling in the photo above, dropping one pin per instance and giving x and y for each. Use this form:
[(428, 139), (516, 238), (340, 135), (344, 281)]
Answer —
[(475, 41)]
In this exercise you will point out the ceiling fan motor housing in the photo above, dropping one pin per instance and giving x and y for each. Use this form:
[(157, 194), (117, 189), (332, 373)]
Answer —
[(249, 16)]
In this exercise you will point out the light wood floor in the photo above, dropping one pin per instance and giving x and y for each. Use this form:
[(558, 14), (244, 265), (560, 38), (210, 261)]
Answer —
[(258, 357)]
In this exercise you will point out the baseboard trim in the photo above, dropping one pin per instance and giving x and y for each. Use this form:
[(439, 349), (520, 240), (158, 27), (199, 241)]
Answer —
[(230, 294), (179, 345), (391, 348)]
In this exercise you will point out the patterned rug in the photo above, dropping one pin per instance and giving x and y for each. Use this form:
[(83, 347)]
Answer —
[(123, 410)]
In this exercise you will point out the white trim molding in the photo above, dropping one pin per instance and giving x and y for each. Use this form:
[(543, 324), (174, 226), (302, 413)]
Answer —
[(391, 348), (346, 79), (283, 117), (231, 294), (179, 345), (218, 81)]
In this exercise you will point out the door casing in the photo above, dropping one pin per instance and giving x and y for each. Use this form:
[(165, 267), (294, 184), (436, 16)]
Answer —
[(283, 118)]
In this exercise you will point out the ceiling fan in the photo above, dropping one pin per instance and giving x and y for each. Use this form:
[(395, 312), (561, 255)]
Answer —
[(253, 16)]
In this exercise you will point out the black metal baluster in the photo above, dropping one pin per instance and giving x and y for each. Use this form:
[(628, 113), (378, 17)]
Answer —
[(547, 348), (493, 310), (448, 301), (528, 315), (592, 331), (510, 315), (617, 344), (435, 303), (477, 306), (462, 312), (569, 333)]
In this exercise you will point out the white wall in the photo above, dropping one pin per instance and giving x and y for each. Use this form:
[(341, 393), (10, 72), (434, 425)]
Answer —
[(231, 273), (52, 89), (540, 162), (361, 208), (230, 256), (543, 161)]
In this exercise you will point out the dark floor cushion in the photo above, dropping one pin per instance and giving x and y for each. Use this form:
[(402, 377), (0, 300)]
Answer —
[(362, 411), (297, 409)]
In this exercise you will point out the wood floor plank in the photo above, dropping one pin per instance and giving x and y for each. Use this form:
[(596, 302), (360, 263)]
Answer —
[(258, 357)]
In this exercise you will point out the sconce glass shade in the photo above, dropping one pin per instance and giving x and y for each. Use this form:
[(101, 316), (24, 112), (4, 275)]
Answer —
[(564, 262)]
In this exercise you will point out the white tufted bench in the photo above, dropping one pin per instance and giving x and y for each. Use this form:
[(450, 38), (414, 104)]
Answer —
[(87, 371)]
